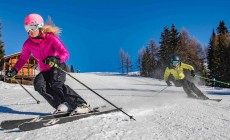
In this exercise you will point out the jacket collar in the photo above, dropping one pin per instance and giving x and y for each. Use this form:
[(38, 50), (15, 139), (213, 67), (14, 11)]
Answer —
[(37, 39)]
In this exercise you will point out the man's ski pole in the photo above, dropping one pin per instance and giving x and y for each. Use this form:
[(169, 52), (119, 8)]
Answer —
[(26, 90), (158, 92), (55, 65), (214, 80), (163, 89)]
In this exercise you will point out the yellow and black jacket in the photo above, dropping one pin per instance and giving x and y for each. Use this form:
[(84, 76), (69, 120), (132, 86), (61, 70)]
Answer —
[(178, 72)]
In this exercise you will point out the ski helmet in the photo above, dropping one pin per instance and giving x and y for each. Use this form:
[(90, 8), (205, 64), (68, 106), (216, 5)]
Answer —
[(175, 58), (33, 22)]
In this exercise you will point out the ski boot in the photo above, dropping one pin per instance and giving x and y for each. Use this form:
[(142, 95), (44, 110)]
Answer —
[(63, 108), (192, 95), (204, 97), (81, 109)]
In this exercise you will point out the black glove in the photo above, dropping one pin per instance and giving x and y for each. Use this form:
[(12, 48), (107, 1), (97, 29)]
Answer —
[(50, 59), (11, 73), (192, 73), (168, 83)]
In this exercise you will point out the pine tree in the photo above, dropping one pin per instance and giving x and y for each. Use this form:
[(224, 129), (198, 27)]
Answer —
[(218, 54), (223, 48), (227, 64), (153, 48), (72, 69), (2, 51), (174, 39), (146, 63), (163, 53), (213, 56)]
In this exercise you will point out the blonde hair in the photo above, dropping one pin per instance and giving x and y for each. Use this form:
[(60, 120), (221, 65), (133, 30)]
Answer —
[(51, 29)]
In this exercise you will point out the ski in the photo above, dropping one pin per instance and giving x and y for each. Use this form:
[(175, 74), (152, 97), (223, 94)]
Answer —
[(11, 124), (218, 100), (27, 126)]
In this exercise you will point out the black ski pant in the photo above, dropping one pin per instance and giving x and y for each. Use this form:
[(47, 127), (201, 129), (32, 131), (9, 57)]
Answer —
[(50, 84), (189, 88)]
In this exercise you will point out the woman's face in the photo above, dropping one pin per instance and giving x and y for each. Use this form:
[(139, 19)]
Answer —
[(33, 34)]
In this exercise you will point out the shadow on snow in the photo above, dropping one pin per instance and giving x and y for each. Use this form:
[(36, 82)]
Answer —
[(4, 109), (218, 93)]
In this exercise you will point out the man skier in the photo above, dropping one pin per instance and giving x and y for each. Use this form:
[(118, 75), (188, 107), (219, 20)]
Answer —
[(176, 70)]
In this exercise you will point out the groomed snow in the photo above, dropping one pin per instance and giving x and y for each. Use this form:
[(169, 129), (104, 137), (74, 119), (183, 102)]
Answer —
[(167, 115)]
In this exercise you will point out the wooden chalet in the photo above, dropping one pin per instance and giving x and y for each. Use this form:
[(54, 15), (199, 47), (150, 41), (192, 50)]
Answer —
[(25, 75)]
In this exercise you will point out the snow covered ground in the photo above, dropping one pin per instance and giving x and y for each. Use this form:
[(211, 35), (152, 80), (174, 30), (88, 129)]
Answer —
[(168, 115)]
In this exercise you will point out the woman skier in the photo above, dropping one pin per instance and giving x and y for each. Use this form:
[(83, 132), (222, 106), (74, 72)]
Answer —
[(176, 70), (45, 46)]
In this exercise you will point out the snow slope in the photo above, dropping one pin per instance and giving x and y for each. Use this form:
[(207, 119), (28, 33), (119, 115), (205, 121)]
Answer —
[(166, 115)]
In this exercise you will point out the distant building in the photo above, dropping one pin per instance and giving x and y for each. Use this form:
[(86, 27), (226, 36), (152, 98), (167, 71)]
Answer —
[(25, 75)]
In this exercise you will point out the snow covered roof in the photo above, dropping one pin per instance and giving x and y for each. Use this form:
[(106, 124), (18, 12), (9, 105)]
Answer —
[(12, 54)]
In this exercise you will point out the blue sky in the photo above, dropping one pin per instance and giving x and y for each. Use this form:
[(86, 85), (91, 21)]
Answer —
[(95, 30)]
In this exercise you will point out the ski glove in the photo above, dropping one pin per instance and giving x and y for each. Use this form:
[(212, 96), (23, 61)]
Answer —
[(51, 60), (168, 83), (11, 73), (192, 73)]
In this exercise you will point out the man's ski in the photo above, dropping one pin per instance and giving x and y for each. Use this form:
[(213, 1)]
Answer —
[(218, 100), (11, 124), (27, 126)]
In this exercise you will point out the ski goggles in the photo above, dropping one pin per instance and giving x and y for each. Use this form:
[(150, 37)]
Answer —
[(31, 27), (175, 62)]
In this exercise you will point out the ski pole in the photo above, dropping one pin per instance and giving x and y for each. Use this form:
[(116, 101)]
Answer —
[(55, 65), (214, 80), (13, 78), (158, 92), (163, 89)]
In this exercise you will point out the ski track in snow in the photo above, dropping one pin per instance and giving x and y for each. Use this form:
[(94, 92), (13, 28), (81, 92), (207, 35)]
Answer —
[(168, 115)]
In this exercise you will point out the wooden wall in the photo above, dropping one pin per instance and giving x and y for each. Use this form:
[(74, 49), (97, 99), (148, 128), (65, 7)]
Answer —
[(26, 74)]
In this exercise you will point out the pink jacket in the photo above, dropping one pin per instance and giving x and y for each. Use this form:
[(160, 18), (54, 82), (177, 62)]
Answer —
[(51, 45)]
